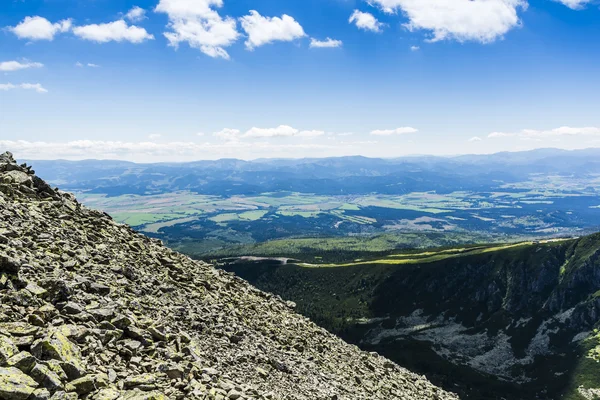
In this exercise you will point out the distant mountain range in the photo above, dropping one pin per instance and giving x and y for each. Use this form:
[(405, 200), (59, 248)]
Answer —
[(331, 176)]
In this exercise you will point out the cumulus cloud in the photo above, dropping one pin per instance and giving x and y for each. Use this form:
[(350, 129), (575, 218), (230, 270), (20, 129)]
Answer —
[(27, 86), (575, 4), (264, 30), (475, 139), (366, 21), (398, 131), (154, 136), (228, 134), (415, 48), (462, 20), (10, 66), (117, 31), (39, 28), (136, 14), (327, 43), (196, 23)]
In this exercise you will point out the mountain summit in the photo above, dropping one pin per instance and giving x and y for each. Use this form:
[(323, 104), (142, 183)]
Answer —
[(91, 309)]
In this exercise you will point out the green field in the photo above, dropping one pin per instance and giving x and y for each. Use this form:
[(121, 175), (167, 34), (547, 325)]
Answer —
[(186, 217)]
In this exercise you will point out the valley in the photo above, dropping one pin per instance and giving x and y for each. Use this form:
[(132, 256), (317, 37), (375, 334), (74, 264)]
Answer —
[(217, 207), (514, 321), (481, 273)]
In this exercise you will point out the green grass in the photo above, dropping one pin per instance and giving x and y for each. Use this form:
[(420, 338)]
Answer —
[(225, 217), (402, 259), (338, 295), (304, 214), (253, 215), (137, 218), (155, 227)]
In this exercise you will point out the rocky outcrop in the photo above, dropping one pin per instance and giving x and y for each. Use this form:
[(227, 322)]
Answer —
[(91, 309)]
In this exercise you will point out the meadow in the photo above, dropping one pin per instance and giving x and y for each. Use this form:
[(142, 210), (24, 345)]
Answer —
[(184, 218)]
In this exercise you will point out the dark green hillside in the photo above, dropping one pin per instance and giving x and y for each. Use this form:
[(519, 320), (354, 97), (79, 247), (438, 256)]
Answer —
[(513, 321)]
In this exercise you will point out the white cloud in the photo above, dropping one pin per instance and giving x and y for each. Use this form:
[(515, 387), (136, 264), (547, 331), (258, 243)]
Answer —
[(196, 23), (327, 43), (264, 30), (228, 134), (280, 131), (361, 142), (253, 133), (117, 31), (475, 139), (200, 134), (365, 21), (535, 134), (27, 86), (575, 4), (85, 149), (397, 131), (308, 134), (154, 136), (500, 134), (10, 66), (463, 20), (136, 14), (562, 131), (415, 48), (39, 28), (90, 65)]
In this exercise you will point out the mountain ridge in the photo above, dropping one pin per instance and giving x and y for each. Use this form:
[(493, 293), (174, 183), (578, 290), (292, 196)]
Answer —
[(518, 321)]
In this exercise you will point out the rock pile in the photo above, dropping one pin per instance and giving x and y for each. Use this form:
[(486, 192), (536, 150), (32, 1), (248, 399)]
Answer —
[(91, 309)]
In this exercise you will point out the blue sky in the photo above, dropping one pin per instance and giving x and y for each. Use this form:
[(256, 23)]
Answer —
[(197, 79)]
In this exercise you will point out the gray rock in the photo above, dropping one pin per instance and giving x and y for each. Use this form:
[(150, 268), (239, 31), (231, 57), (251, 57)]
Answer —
[(110, 314)]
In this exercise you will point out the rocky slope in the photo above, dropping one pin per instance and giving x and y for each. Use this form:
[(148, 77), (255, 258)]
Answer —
[(91, 309), (520, 322)]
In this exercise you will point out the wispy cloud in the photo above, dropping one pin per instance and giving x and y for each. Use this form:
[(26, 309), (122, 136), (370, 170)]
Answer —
[(85, 149), (398, 131), (11, 66), (500, 135), (327, 43), (557, 132), (26, 86), (575, 4)]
